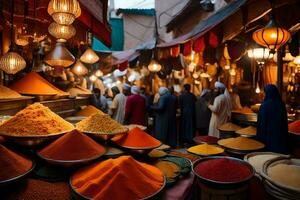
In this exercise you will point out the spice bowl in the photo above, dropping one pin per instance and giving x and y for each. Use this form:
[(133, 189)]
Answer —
[(32, 140), (222, 184), (70, 163), (104, 136), (275, 188), (4, 183)]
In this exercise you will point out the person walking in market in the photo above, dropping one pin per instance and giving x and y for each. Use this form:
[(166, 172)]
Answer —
[(118, 105), (98, 100), (272, 123), (187, 107), (221, 109), (203, 113), (135, 108), (165, 118)]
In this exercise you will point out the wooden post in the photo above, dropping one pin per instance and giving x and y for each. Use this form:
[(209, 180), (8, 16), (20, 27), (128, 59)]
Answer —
[(280, 69)]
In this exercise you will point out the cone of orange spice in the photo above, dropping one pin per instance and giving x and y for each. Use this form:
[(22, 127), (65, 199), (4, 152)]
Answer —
[(118, 179), (72, 146), (136, 138)]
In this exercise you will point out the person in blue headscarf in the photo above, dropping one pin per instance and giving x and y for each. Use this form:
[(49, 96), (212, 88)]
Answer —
[(272, 123)]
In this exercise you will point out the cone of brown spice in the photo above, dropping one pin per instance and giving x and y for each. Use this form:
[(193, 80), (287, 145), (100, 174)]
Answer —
[(12, 165), (73, 146)]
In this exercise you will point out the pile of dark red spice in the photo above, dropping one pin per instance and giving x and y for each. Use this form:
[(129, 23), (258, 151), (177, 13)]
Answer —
[(223, 170)]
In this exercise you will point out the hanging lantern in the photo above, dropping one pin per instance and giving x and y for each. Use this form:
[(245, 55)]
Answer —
[(196, 75), (12, 62), (272, 36), (60, 56), (191, 67), (154, 66), (79, 69), (99, 73), (232, 72), (89, 56), (61, 32), (64, 12), (93, 78)]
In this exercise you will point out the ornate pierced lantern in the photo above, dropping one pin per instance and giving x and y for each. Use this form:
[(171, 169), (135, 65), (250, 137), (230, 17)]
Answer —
[(89, 56), (60, 56), (154, 66), (64, 12), (61, 32)]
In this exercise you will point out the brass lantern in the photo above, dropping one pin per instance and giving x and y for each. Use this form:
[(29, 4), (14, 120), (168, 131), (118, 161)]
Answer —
[(64, 12), (12, 62), (60, 56), (89, 56), (154, 66), (61, 32), (272, 36), (79, 69)]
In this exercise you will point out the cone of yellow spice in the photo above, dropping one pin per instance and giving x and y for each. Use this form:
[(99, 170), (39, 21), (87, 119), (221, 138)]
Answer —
[(205, 150), (241, 143)]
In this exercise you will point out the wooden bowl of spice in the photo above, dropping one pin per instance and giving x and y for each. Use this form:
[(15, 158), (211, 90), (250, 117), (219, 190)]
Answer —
[(222, 172)]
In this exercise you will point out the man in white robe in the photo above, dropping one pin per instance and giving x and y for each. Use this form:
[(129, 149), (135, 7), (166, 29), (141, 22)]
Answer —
[(221, 109)]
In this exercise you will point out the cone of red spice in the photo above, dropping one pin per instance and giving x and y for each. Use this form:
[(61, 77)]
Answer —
[(223, 170), (136, 138), (206, 139), (12, 165), (71, 147), (294, 127)]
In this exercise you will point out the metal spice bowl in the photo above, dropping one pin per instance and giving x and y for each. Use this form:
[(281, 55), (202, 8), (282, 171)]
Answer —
[(31, 140), (157, 195), (220, 184), (277, 189)]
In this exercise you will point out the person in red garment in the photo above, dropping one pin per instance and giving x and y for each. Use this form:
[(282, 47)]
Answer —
[(135, 109)]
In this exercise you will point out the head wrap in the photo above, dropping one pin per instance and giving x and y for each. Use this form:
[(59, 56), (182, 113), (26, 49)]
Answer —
[(126, 86), (219, 85), (162, 91), (227, 96), (204, 92), (135, 90)]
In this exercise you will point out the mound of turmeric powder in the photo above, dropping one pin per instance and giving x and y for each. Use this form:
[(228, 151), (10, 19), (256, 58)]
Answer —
[(35, 119)]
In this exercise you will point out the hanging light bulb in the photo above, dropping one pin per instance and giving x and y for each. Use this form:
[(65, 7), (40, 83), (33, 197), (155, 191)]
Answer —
[(79, 69), (64, 12), (89, 56), (257, 89), (191, 67), (99, 73), (297, 60), (60, 56), (93, 78), (61, 32), (232, 72), (154, 66)]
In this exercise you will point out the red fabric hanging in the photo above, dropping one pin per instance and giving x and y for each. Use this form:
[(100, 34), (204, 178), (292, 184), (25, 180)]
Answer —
[(175, 51), (123, 66), (199, 45), (187, 48), (213, 40)]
